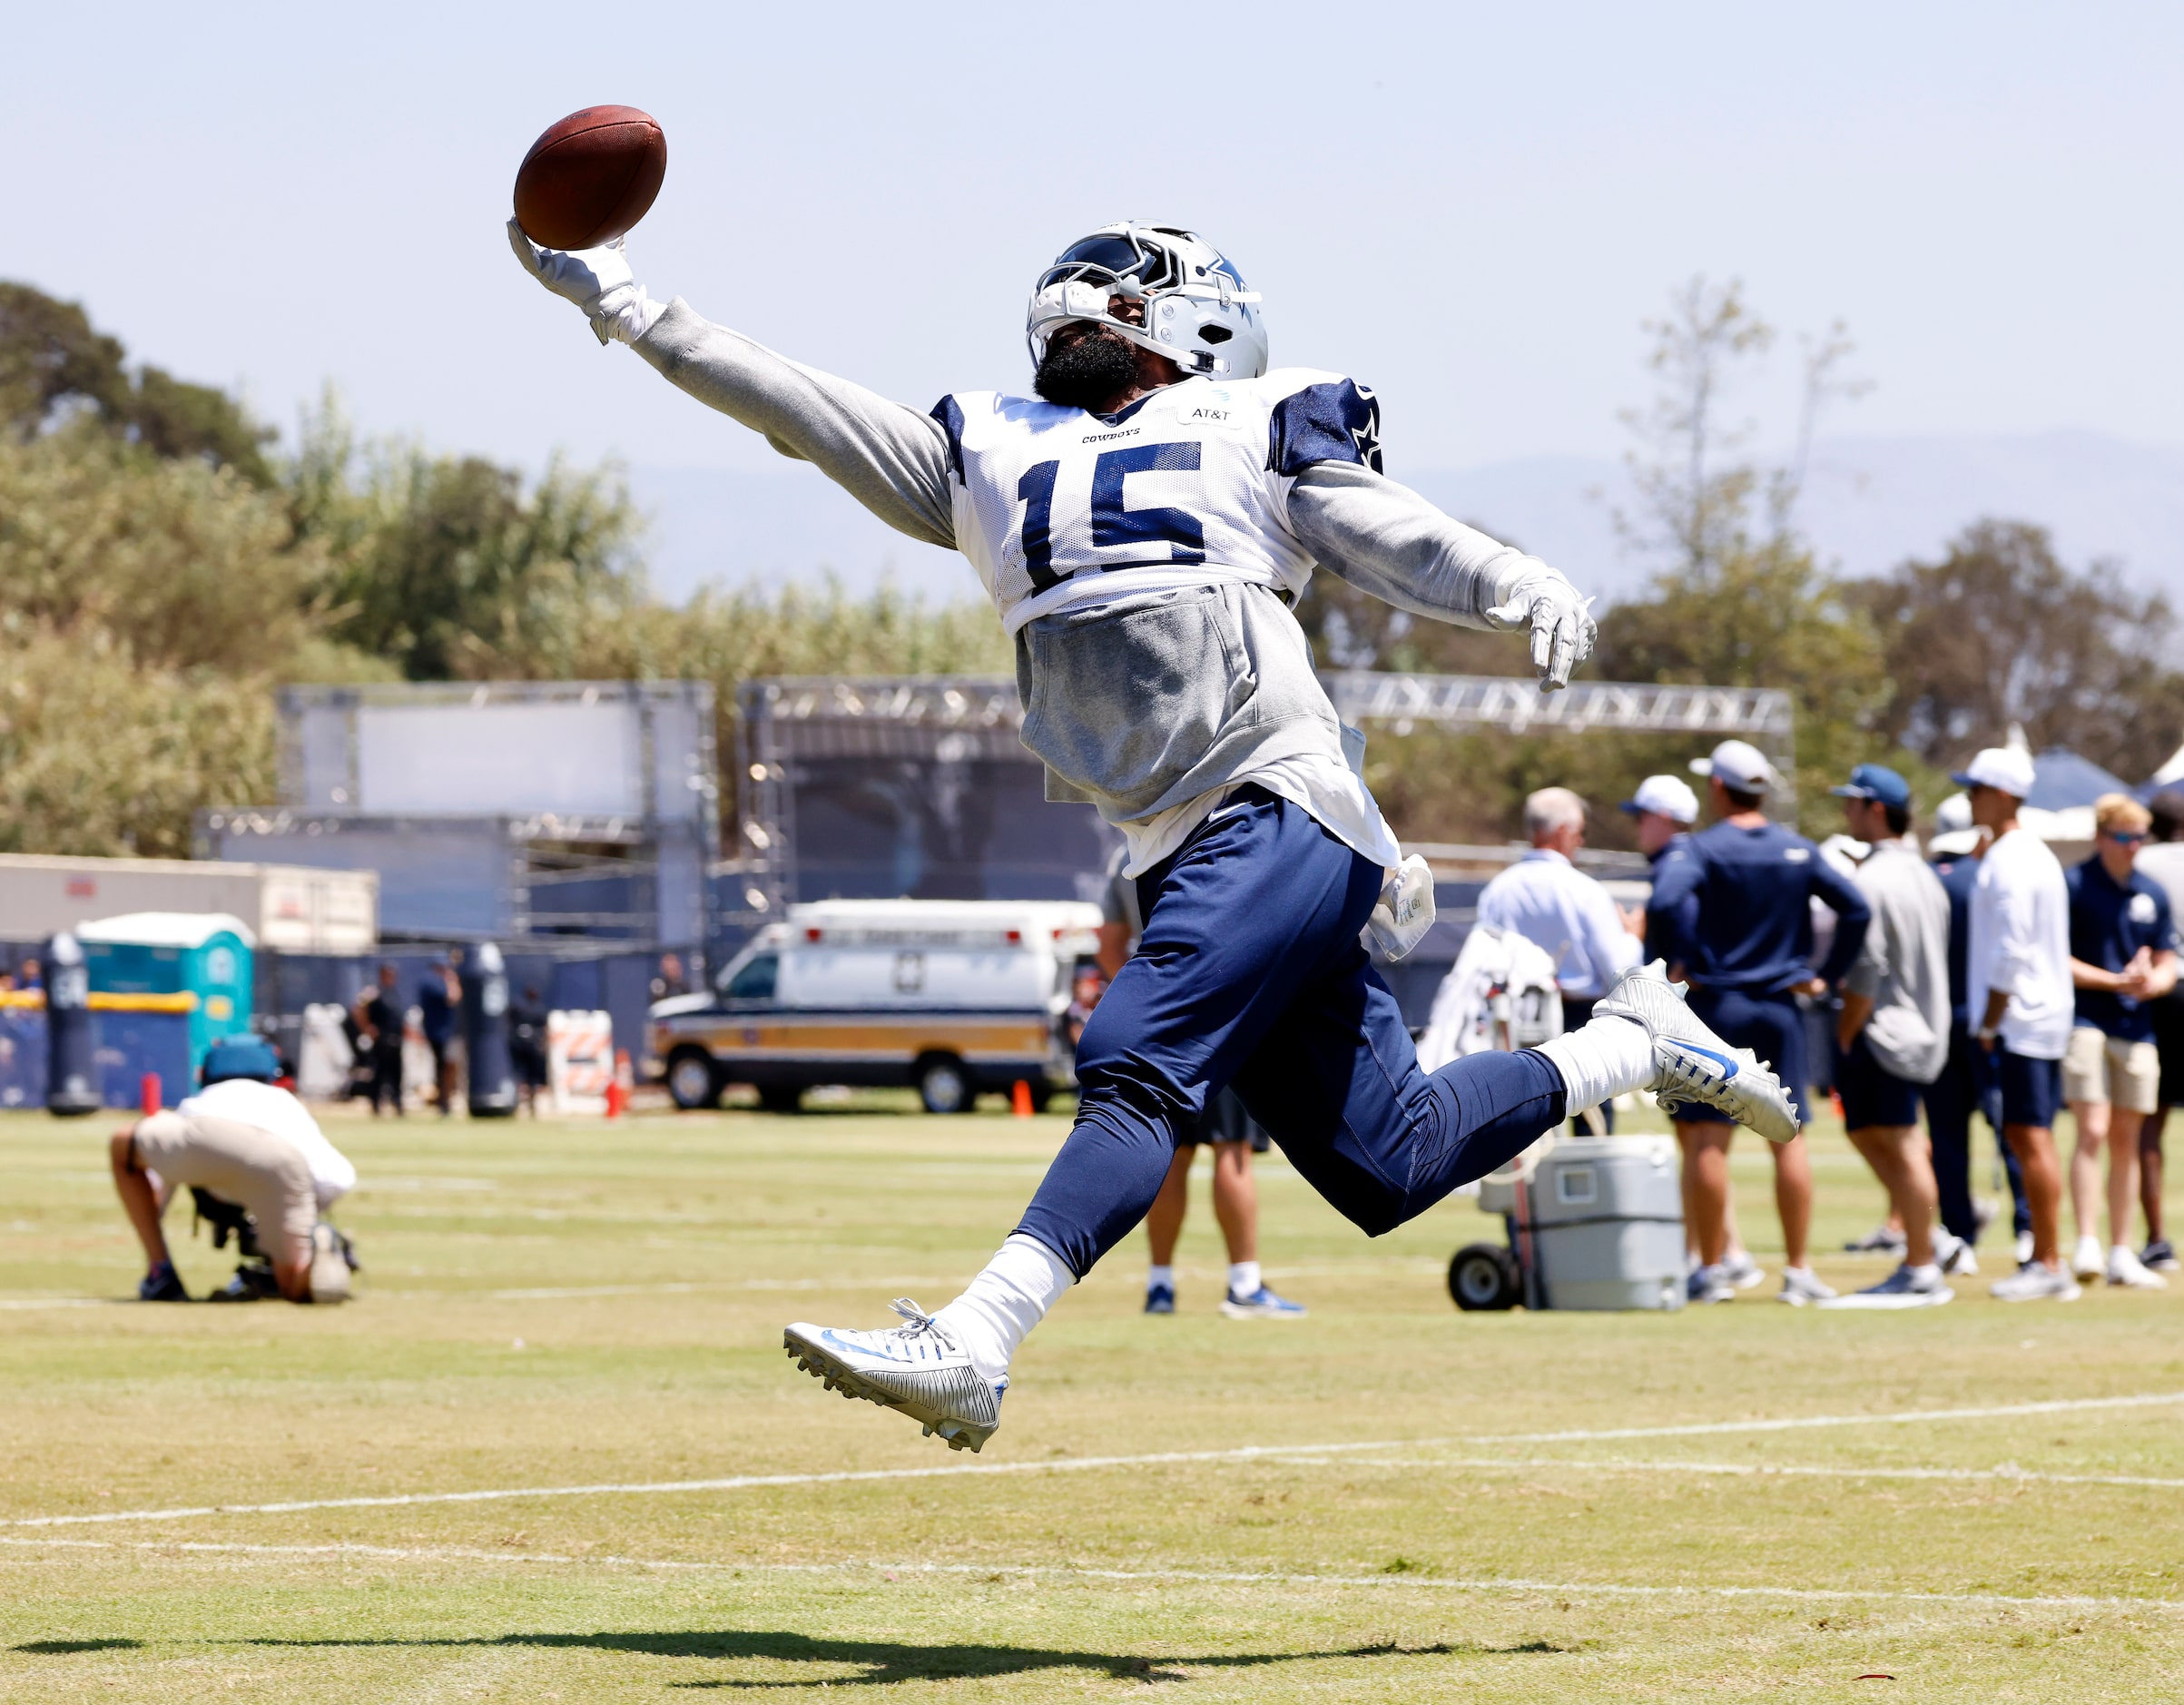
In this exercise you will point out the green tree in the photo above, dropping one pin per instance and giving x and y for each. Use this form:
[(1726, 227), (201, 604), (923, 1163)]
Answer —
[(453, 568), (102, 754), (2001, 631), (1741, 600), (55, 364)]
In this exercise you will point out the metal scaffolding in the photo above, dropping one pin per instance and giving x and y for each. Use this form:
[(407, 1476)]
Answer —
[(1762, 715), (954, 718)]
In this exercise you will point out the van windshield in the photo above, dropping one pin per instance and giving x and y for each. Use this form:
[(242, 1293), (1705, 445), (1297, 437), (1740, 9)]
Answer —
[(755, 981)]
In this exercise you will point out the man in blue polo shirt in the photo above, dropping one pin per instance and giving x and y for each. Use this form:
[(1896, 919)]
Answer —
[(1664, 808), (1750, 956), (2122, 959)]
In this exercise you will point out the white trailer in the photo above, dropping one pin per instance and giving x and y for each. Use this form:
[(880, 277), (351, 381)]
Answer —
[(291, 909)]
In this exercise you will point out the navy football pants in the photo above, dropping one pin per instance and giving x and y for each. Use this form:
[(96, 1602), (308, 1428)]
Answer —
[(1249, 973)]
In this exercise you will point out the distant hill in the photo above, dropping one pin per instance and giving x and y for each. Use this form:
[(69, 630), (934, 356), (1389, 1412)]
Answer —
[(1871, 501)]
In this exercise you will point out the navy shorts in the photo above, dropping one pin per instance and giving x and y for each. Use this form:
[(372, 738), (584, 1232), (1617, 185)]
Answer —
[(2168, 1039), (1771, 1026), (1872, 1094), (2031, 1089)]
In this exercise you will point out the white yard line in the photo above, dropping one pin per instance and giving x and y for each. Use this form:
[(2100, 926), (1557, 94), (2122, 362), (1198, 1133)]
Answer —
[(1245, 1454), (14, 1303), (2008, 1472), (1901, 1418), (1571, 1589)]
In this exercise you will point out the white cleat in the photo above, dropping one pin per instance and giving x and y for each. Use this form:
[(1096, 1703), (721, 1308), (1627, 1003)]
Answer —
[(1907, 1288), (917, 1368), (1695, 1064), (2035, 1283), (1738, 1268), (2125, 1268), (1801, 1285), (2085, 1259)]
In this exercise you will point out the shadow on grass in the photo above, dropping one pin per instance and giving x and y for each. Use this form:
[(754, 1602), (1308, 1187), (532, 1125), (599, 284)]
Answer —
[(50, 1646), (885, 1662)]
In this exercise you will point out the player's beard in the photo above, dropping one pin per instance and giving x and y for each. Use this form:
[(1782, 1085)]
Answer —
[(1085, 371)]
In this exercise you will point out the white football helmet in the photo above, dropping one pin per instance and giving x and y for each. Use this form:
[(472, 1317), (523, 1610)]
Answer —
[(1197, 311)]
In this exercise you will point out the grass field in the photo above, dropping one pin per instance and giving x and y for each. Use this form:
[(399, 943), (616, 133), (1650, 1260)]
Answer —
[(1385, 1501)]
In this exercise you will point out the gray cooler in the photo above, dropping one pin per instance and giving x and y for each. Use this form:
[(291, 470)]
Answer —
[(1607, 1219)]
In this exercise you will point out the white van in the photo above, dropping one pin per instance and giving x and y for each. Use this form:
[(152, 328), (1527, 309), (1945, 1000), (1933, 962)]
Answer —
[(952, 996)]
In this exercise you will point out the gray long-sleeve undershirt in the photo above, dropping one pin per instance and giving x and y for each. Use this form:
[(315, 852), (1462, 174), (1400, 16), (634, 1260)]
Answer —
[(1380, 536)]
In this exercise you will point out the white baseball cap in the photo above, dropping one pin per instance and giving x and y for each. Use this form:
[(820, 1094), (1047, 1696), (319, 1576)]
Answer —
[(1667, 794), (1741, 766), (2006, 769)]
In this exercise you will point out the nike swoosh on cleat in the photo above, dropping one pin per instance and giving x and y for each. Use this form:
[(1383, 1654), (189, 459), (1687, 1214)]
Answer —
[(848, 1348), (1728, 1066)]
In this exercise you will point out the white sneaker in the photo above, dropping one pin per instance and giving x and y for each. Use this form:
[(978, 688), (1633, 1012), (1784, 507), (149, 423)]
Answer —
[(2125, 1269), (1708, 1285), (1801, 1285), (330, 1276), (2085, 1259), (1694, 1063), (1738, 1268), (2034, 1282), (1907, 1288), (917, 1368), (1954, 1254), (2024, 1247)]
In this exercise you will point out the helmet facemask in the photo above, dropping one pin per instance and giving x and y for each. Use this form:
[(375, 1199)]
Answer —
[(1196, 309)]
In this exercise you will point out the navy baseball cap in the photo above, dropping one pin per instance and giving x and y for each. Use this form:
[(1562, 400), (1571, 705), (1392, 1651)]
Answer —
[(1876, 781), (240, 1056)]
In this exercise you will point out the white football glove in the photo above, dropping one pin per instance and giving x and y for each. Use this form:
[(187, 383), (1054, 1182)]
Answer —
[(1562, 624), (598, 280), (1405, 910)]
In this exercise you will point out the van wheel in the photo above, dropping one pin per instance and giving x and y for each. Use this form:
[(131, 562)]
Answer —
[(692, 1081), (1484, 1275), (781, 1098), (943, 1086), (1042, 1097)]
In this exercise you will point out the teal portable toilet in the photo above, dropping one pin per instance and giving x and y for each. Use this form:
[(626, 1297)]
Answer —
[(196, 965)]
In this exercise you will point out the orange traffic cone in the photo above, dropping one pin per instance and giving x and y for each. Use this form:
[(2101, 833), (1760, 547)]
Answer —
[(1020, 1099)]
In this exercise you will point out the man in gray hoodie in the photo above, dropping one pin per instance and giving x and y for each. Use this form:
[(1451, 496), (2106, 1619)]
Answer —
[(1892, 1035), (1144, 527)]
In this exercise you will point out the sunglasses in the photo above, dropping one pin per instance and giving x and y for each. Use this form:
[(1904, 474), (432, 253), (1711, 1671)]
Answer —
[(2125, 837)]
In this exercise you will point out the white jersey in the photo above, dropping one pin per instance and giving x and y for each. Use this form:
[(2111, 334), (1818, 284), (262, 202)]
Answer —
[(1054, 506)]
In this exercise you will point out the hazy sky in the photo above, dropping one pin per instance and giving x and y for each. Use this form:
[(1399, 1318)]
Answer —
[(1469, 208)]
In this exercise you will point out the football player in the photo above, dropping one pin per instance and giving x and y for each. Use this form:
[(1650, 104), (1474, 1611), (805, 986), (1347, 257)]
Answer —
[(1144, 525)]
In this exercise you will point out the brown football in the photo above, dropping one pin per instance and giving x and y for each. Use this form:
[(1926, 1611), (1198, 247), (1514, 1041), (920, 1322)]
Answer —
[(590, 177)]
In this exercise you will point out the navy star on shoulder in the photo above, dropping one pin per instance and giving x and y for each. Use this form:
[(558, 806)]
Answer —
[(1338, 421)]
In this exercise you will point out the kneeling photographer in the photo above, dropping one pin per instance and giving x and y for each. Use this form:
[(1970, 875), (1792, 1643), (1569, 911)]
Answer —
[(257, 1165)]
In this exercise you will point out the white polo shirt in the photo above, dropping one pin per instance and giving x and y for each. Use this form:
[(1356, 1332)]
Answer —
[(2020, 942), (271, 1108)]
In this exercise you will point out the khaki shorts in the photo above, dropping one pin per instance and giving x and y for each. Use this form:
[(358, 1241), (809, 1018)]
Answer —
[(2101, 1068), (238, 1163)]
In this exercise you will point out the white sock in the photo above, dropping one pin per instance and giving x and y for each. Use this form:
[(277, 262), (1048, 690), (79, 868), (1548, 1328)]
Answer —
[(1928, 1274), (1607, 1057), (1000, 1307), (1158, 1275), (1243, 1279)]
